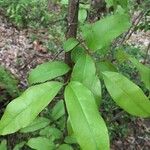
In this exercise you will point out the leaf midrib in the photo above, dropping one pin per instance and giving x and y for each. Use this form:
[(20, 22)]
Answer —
[(139, 106), (19, 114), (85, 118)]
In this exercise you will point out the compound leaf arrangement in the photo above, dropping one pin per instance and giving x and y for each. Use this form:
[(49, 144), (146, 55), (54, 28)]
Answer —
[(82, 91), (23, 110)]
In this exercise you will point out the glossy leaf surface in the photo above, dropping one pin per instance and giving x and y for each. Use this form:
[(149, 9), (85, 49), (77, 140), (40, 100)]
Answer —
[(51, 132), (127, 94), (47, 71), (37, 124), (58, 110), (41, 143), (23, 110), (103, 32), (105, 66), (70, 44), (77, 53), (85, 72), (88, 126)]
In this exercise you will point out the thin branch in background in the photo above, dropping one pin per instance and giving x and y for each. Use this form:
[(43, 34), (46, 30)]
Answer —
[(118, 116), (132, 28), (147, 53), (57, 54)]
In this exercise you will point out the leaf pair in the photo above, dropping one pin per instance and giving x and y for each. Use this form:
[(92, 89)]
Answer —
[(82, 96), (24, 109), (85, 72)]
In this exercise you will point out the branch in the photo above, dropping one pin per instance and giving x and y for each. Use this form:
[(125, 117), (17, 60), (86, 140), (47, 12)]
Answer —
[(132, 28), (72, 21), (72, 25)]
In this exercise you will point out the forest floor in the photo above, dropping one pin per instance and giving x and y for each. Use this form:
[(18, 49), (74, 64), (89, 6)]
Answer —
[(18, 53)]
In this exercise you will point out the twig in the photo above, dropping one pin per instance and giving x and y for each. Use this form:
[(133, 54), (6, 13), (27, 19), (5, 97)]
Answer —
[(148, 48), (117, 116), (57, 54), (132, 28)]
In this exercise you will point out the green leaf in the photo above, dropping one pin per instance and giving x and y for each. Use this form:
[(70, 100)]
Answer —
[(88, 126), (37, 124), (121, 56), (51, 132), (23, 110), (65, 147), (70, 44), (61, 123), (104, 66), (84, 71), (76, 53), (47, 71), (64, 2), (85, 6), (82, 15), (127, 94), (58, 111), (69, 127), (3, 145), (40, 143), (101, 33), (19, 146), (143, 71), (122, 3), (109, 3), (70, 140)]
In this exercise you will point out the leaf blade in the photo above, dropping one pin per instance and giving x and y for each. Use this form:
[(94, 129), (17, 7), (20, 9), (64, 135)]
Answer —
[(58, 110), (47, 71), (70, 44), (101, 33), (84, 71), (37, 124), (23, 110), (39, 143), (127, 94), (91, 125), (143, 71)]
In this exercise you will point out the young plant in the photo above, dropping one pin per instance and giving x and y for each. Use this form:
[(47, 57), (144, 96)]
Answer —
[(82, 89)]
